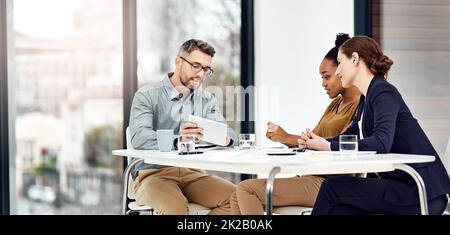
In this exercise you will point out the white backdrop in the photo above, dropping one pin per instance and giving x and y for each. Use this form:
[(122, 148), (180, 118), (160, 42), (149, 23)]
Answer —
[(291, 39)]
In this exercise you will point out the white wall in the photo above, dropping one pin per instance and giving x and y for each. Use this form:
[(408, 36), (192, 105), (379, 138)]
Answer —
[(291, 39)]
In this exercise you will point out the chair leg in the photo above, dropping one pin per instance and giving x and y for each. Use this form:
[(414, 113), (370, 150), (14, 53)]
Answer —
[(306, 212), (447, 209), (126, 178)]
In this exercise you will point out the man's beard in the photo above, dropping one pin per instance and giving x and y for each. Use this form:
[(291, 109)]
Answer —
[(186, 84)]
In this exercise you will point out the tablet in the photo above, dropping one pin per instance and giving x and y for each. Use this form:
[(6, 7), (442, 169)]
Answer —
[(213, 132)]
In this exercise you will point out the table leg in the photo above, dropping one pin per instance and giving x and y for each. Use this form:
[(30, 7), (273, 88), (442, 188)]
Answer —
[(420, 186), (269, 189), (126, 178)]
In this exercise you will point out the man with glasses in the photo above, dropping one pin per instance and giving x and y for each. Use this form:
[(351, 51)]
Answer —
[(167, 105)]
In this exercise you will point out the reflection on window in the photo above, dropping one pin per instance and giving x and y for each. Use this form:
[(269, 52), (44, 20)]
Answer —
[(67, 74), (163, 25)]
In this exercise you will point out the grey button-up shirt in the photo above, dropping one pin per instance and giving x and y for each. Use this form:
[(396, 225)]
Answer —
[(161, 107)]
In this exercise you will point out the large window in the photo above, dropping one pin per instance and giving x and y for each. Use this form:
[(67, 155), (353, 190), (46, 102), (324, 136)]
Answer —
[(416, 35), (163, 25), (66, 71), (66, 76)]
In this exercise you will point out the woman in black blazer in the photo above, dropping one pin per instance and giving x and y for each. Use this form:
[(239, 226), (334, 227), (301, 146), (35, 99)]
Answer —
[(387, 127)]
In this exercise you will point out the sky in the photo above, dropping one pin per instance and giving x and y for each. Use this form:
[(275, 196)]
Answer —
[(45, 18)]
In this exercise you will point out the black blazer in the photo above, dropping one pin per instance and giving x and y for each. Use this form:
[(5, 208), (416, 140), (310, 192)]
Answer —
[(389, 127)]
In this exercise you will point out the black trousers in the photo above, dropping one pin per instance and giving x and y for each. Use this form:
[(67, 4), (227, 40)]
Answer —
[(349, 195)]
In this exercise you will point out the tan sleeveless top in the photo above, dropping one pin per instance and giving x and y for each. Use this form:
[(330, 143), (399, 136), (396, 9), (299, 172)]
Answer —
[(333, 122)]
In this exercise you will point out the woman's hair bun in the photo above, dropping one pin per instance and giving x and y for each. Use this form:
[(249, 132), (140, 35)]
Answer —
[(380, 65), (341, 38)]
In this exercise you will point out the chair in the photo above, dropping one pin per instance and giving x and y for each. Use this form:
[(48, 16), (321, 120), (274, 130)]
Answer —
[(292, 210), (134, 208)]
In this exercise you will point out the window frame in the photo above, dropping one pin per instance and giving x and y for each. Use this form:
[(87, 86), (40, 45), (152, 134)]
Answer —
[(4, 123)]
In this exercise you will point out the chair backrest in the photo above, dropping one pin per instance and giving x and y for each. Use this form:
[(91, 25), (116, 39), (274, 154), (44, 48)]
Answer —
[(128, 137), (129, 145), (446, 158)]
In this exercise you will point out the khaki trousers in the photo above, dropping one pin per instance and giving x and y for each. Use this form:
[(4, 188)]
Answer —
[(250, 196), (169, 190)]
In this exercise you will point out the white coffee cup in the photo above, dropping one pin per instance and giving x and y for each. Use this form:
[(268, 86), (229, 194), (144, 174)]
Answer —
[(165, 139)]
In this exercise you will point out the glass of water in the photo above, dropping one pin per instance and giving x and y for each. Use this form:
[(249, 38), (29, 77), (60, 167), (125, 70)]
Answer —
[(247, 141), (348, 144)]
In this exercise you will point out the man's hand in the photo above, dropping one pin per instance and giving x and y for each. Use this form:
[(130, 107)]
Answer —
[(190, 130), (228, 142)]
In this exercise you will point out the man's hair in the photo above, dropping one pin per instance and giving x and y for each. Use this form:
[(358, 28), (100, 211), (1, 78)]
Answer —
[(195, 44)]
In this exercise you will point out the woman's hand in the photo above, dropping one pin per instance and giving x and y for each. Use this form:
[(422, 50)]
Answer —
[(302, 141), (315, 142), (276, 133)]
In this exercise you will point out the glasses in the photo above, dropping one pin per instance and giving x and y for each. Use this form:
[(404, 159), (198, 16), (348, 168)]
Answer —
[(196, 68)]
